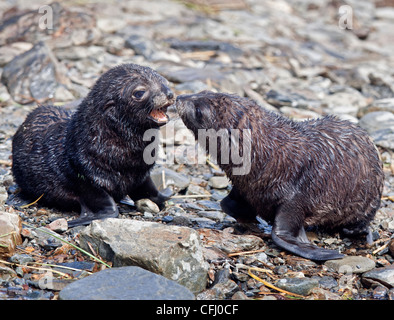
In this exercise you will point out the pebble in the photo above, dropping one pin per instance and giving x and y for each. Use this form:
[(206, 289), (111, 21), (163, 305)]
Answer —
[(125, 283), (146, 205), (59, 225)]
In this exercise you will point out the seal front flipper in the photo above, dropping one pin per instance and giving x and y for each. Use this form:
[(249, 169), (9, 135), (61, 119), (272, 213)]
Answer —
[(95, 204), (288, 234), (237, 207), (148, 190)]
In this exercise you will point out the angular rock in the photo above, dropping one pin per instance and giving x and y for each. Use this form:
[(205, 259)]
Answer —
[(384, 276), (172, 251), (354, 264), (68, 27), (59, 225), (227, 242), (301, 286), (172, 178), (378, 120), (219, 182), (125, 283), (32, 76), (10, 229)]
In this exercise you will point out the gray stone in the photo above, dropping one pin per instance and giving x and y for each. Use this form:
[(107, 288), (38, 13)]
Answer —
[(214, 215), (384, 138), (354, 264), (146, 205), (219, 182), (378, 120), (172, 178), (125, 283), (301, 286), (32, 75), (384, 276), (172, 251), (10, 229)]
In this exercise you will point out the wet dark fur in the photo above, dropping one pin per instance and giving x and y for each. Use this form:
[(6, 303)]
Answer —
[(96, 151), (324, 172)]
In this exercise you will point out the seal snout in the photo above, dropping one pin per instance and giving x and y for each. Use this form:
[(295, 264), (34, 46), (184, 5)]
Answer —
[(183, 102), (160, 105)]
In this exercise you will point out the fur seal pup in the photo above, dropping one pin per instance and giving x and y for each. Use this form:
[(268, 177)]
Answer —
[(323, 172), (93, 157)]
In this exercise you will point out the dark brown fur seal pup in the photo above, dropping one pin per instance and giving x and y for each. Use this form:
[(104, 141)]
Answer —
[(93, 157), (324, 172)]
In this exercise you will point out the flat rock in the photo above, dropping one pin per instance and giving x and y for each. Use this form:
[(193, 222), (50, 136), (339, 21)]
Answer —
[(228, 243), (172, 251), (354, 264), (377, 120), (28, 82), (10, 229), (171, 178), (302, 286), (125, 283), (384, 276), (219, 182)]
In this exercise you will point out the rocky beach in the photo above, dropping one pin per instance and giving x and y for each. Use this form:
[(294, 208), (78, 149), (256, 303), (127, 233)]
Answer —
[(302, 58)]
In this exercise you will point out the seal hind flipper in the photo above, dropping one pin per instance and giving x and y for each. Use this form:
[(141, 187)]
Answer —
[(288, 234), (95, 204)]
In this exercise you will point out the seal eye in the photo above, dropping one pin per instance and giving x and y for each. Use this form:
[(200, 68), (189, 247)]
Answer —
[(139, 94), (198, 114)]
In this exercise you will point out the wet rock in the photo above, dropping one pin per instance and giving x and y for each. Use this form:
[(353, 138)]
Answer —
[(10, 229), (378, 120), (384, 138), (68, 27), (380, 293), (9, 52), (59, 225), (301, 286), (21, 258), (219, 182), (30, 82), (146, 205), (125, 283), (383, 276), (227, 242), (214, 215), (194, 189), (6, 273), (110, 25), (354, 264), (171, 179), (45, 238), (172, 251), (193, 74)]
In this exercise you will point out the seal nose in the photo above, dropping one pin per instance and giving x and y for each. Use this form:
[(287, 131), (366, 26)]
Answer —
[(170, 95), (167, 91)]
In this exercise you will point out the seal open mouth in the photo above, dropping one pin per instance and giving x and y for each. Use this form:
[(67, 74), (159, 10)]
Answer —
[(159, 115)]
